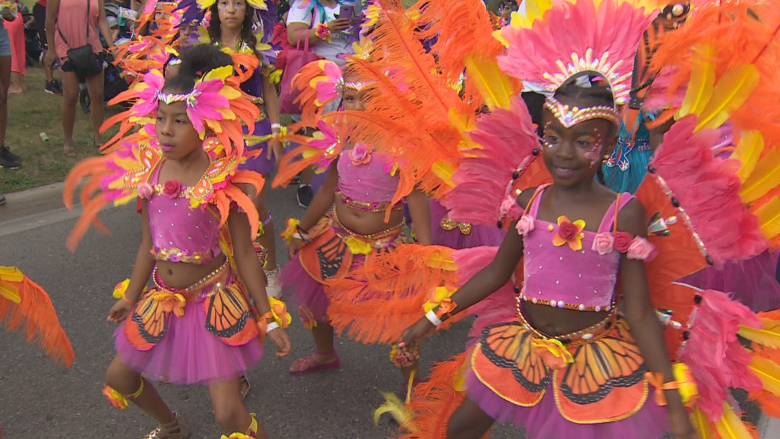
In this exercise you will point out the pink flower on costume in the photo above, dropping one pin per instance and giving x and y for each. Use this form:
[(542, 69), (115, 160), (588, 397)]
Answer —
[(641, 249), (622, 241), (147, 96), (327, 86), (603, 243), (360, 155), (172, 188), (524, 225), (145, 190), (206, 103)]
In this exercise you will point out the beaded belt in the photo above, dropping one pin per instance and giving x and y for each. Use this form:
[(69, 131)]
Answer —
[(366, 206), (207, 286), (386, 238), (576, 338)]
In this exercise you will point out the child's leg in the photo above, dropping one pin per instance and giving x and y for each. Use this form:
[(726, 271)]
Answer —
[(230, 412), (325, 353), (468, 422), (128, 382)]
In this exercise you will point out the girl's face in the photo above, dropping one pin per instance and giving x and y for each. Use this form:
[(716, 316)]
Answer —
[(352, 99), (178, 138), (231, 13), (574, 155)]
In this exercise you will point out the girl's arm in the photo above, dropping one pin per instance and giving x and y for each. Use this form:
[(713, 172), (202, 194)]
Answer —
[(142, 270), (421, 216), (271, 104), (250, 271), (52, 8), (295, 28), (324, 199), (103, 24), (641, 317)]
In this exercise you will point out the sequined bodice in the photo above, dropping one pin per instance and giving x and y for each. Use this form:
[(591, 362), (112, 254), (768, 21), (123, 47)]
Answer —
[(365, 182), (559, 276), (180, 233)]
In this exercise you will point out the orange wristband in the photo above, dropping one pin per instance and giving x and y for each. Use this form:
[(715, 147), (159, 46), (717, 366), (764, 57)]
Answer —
[(656, 379), (125, 299)]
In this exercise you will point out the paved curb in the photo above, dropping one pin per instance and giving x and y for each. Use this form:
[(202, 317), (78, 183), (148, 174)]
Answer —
[(31, 202)]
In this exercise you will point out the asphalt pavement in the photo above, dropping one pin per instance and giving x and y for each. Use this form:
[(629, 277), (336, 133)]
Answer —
[(40, 400)]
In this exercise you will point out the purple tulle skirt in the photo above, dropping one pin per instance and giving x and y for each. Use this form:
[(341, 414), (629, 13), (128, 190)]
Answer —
[(479, 235), (260, 164), (188, 353), (304, 293), (752, 282), (544, 420)]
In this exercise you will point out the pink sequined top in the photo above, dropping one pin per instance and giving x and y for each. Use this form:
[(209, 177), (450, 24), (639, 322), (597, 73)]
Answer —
[(180, 233), (559, 276), (364, 182)]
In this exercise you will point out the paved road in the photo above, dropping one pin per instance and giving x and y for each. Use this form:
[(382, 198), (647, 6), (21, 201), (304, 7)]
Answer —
[(39, 400)]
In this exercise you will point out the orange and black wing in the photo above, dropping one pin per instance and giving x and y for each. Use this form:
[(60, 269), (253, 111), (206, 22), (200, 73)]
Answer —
[(229, 317), (606, 381), (147, 324), (505, 362)]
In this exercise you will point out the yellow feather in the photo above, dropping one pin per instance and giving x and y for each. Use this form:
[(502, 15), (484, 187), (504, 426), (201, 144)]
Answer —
[(444, 171), (494, 85), (702, 424), (730, 426), (768, 335), (769, 218), (748, 151), (701, 85), (768, 372), (732, 90), (395, 407), (534, 10), (764, 178)]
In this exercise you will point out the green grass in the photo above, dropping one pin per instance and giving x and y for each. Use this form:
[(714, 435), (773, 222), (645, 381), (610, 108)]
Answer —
[(30, 114)]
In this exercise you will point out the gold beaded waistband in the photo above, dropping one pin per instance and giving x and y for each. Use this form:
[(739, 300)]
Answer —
[(393, 232), (206, 286), (576, 338), (364, 205)]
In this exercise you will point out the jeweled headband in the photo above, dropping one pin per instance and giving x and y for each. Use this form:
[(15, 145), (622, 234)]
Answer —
[(570, 116)]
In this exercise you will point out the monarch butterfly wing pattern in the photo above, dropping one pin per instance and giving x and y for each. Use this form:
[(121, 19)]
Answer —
[(147, 323), (504, 359), (326, 257), (229, 317), (606, 381)]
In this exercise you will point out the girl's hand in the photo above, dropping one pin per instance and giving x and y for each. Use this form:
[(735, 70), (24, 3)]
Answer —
[(275, 150), (283, 346), (338, 24), (412, 337), (680, 423), (294, 247), (119, 311)]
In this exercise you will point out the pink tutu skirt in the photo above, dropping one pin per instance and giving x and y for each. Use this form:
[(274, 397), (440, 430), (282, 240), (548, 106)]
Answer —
[(544, 420), (186, 352), (460, 236), (305, 293)]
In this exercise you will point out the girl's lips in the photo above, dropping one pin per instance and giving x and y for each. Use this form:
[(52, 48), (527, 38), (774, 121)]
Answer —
[(563, 172), (167, 148)]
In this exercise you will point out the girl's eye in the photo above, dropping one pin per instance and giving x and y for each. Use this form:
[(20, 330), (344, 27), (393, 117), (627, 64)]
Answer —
[(180, 121), (551, 140), (159, 118), (584, 143)]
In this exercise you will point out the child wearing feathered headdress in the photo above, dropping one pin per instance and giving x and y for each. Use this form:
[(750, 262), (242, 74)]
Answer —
[(196, 324)]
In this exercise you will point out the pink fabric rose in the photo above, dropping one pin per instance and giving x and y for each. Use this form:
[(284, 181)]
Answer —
[(145, 190), (602, 243), (641, 249), (360, 155), (525, 224), (622, 241), (567, 230), (172, 188)]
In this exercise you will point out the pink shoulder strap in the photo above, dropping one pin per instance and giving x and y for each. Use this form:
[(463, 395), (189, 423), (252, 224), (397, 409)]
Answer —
[(611, 217), (533, 204)]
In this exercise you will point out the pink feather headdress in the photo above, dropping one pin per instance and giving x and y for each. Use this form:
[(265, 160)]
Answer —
[(578, 37)]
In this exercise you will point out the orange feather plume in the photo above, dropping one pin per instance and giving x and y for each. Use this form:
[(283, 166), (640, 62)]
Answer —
[(23, 303)]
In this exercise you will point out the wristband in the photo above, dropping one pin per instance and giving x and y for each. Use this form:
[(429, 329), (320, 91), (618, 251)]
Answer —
[(127, 300), (323, 32), (433, 318), (276, 126), (271, 327), (300, 236)]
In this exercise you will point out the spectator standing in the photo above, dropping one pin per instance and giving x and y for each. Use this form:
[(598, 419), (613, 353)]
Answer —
[(73, 24), (8, 160), (53, 86), (18, 54)]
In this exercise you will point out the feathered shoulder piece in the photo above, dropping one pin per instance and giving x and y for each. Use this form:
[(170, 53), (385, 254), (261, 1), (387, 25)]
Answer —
[(318, 151), (216, 105), (573, 37)]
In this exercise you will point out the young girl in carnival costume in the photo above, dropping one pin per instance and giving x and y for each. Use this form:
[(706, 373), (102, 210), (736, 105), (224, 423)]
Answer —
[(196, 324), (553, 353), (243, 30), (353, 217), (23, 303)]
